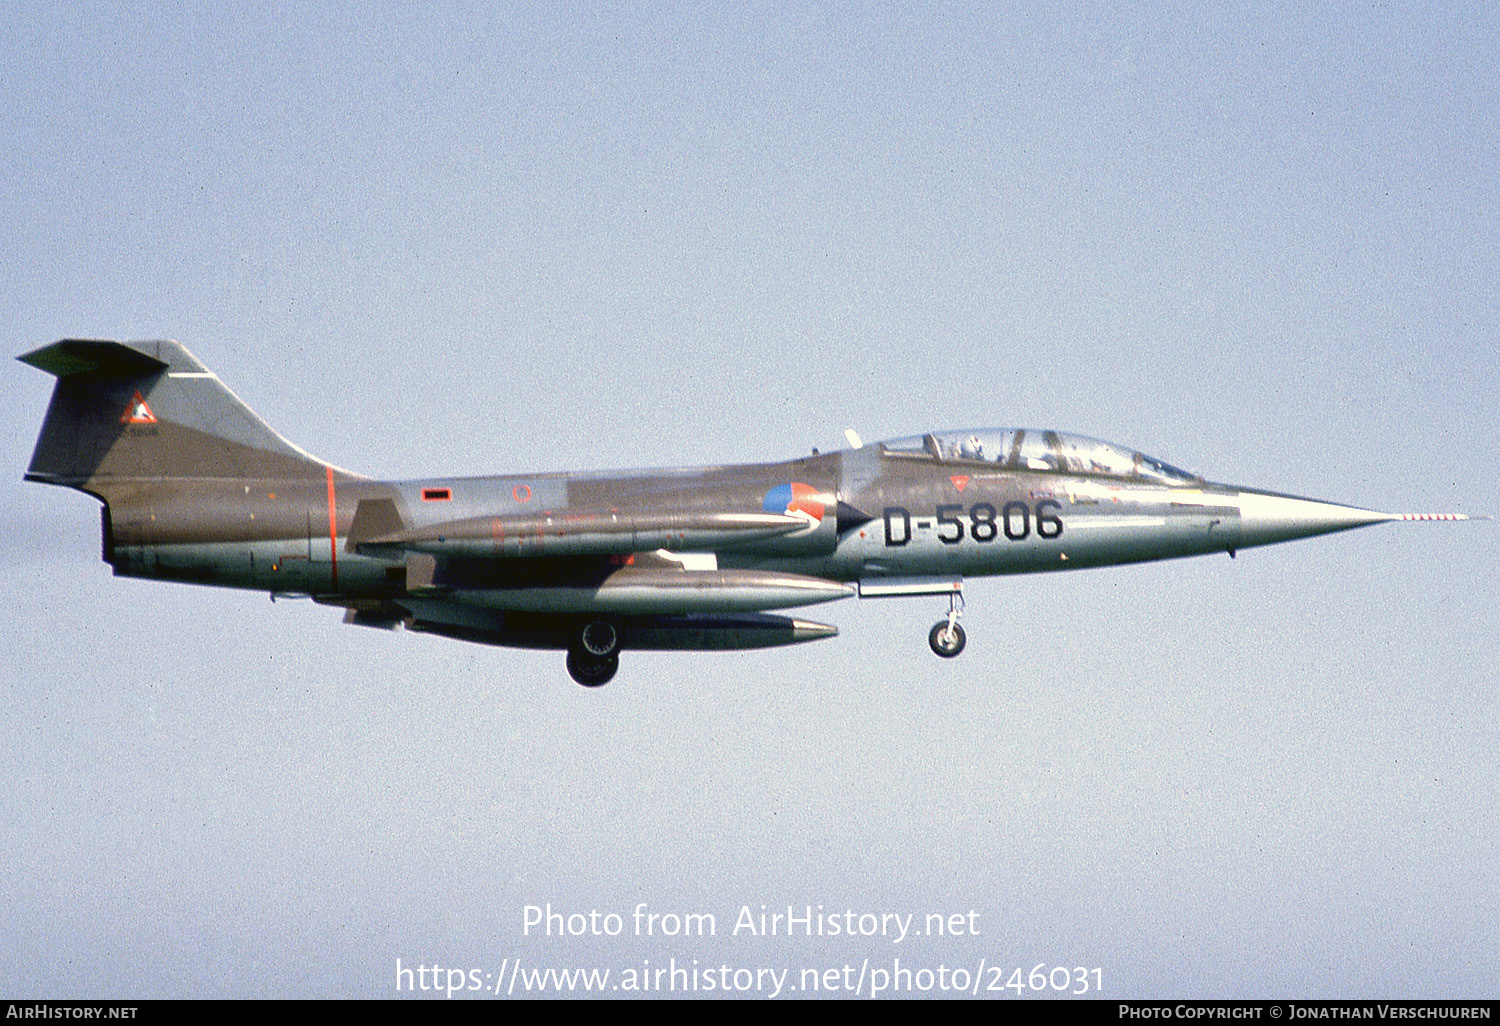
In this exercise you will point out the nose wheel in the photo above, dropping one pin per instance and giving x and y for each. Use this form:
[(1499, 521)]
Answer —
[(947, 638)]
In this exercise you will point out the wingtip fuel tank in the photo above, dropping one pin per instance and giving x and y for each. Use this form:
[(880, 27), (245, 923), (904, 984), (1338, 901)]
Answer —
[(586, 533)]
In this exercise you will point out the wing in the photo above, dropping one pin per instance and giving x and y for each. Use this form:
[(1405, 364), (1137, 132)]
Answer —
[(527, 581)]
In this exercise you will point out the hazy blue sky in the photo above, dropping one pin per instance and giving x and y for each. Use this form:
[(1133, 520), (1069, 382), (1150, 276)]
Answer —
[(1260, 243)]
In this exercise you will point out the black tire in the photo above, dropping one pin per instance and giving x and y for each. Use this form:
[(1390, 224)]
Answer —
[(599, 639), (943, 642), (591, 672)]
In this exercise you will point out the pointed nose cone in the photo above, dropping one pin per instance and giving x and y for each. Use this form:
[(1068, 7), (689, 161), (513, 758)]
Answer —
[(1266, 518)]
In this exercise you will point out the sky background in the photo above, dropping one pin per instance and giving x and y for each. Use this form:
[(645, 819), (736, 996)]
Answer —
[(1259, 243)]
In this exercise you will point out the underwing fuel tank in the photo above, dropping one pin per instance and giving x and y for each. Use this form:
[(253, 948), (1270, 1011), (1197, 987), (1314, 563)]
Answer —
[(686, 633), (653, 590), (722, 633)]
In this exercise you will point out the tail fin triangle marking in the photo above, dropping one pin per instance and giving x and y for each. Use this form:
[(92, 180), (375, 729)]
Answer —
[(138, 412)]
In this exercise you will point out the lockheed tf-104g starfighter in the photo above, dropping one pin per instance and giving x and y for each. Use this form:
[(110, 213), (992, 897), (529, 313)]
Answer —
[(197, 488)]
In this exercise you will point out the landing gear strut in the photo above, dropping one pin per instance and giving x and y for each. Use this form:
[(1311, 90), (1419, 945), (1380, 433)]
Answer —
[(947, 638), (595, 656)]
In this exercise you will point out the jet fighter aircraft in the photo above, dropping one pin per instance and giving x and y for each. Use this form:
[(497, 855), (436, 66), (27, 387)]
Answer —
[(197, 488)]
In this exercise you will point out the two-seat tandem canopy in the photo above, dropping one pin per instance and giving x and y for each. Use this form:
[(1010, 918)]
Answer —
[(1030, 449)]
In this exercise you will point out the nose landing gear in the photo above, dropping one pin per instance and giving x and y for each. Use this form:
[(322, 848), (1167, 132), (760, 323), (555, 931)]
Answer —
[(947, 638)]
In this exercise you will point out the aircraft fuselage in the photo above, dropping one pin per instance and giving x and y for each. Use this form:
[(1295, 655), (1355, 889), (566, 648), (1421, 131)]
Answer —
[(197, 489)]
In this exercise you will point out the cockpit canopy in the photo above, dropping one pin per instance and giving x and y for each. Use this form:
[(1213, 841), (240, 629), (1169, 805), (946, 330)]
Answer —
[(1029, 449)]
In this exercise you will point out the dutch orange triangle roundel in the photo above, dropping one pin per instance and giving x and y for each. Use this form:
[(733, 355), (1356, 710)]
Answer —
[(138, 412)]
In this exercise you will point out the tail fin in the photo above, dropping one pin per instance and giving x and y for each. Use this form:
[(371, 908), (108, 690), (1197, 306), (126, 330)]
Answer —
[(150, 410)]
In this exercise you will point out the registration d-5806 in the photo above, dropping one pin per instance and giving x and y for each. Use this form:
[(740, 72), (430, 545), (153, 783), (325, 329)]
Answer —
[(983, 522)]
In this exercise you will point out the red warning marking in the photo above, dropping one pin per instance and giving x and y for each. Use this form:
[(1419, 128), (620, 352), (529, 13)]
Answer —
[(138, 412), (959, 481)]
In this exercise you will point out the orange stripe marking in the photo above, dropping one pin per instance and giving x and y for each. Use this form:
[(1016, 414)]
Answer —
[(333, 531)]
